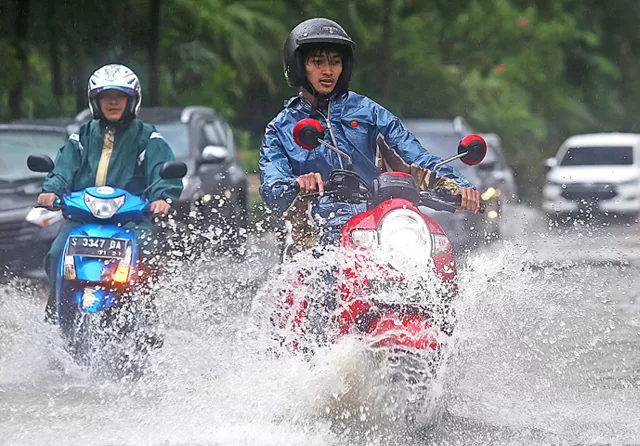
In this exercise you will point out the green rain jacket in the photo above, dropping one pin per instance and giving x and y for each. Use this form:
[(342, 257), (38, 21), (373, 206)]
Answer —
[(139, 152)]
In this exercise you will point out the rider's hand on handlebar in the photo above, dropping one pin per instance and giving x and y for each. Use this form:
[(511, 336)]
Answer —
[(46, 199), (160, 207), (311, 182), (470, 199)]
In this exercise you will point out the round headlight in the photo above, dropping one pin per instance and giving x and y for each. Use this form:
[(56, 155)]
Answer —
[(103, 207), (405, 237)]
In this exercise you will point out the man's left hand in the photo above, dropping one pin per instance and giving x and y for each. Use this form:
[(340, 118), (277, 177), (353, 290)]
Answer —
[(470, 199), (160, 207)]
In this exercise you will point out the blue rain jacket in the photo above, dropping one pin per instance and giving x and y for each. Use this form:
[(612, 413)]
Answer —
[(356, 122)]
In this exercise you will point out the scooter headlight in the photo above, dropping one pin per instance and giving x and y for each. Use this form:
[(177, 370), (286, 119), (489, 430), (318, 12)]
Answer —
[(404, 234), (103, 207)]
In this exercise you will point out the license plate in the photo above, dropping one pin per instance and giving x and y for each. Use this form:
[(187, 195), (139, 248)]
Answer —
[(112, 248)]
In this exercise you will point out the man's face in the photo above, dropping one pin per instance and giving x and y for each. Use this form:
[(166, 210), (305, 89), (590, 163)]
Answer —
[(113, 104), (323, 70)]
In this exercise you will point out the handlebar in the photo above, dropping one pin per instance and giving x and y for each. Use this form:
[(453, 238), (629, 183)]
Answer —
[(443, 200), (349, 187), (342, 185), (58, 205)]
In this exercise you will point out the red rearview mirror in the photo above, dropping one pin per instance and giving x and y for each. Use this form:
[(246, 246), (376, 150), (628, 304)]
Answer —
[(307, 132), (476, 148)]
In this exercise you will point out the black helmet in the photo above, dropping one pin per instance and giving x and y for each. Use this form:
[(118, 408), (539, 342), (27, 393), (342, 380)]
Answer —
[(316, 32)]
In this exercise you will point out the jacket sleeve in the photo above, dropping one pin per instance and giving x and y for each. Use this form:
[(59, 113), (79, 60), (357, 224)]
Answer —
[(277, 180), (67, 163), (156, 154), (402, 141)]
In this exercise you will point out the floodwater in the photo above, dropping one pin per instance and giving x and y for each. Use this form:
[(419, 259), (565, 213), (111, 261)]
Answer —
[(546, 351)]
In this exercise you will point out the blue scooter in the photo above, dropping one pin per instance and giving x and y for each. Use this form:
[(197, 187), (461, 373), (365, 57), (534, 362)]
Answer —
[(98, 304)]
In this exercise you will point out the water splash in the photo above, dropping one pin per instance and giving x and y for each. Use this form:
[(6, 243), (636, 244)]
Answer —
[(539, 356)]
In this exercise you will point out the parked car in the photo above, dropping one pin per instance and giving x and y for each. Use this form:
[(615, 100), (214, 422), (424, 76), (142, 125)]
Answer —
[(592, 174), (466, 230), (26, 233), (215, 197)]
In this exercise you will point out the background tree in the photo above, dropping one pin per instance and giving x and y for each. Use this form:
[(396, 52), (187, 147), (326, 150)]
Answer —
[(533, 71)]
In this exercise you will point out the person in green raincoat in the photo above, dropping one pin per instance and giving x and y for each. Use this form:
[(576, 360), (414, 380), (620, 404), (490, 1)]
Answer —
[(114, 149)]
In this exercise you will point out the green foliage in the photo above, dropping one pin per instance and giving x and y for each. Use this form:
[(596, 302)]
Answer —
[(534, 72), (247, 145)]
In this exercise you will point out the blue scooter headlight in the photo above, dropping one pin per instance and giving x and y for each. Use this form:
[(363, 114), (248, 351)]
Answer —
[(103, 207)]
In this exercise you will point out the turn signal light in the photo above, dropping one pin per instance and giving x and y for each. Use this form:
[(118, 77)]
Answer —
[(122, 274)]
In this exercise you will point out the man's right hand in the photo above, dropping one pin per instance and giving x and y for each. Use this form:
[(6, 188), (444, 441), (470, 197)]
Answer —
[(311, 182), (46, 199)]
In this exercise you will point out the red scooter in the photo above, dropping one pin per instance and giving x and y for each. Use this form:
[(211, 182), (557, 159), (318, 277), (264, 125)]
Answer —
[(374, 297)]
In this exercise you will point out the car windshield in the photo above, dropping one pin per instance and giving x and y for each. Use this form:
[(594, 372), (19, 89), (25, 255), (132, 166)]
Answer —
[(598, 156), (176, 134), (445, 145), (17, 145)]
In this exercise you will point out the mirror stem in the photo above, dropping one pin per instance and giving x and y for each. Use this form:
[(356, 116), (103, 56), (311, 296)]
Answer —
[(144, 192), (432, 175), (66, 185), (338, 151)]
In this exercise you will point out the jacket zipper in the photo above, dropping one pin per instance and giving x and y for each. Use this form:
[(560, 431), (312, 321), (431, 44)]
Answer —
[(354, 210), (333, 138)]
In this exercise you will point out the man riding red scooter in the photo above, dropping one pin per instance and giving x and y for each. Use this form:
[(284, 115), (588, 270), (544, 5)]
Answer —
[(318, 57), (346, 173)]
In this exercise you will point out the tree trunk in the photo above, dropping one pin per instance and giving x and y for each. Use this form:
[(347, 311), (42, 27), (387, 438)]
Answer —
[(57, 87), (387, 45), (21, 46), (154, 44)]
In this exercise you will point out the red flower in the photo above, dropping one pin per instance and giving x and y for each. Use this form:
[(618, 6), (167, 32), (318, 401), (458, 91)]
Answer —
[(500, 68), (522, 22)]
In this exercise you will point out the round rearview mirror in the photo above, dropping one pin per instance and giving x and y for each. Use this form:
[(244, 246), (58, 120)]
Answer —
[(40, 163), (173, 170), (475, 148), (307, 132), (549, 164)]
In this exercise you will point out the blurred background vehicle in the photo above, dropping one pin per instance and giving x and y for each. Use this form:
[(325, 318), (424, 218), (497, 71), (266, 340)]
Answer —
[(595, 173), (26, 233), (466, 230), (214, 200), (495, 165)]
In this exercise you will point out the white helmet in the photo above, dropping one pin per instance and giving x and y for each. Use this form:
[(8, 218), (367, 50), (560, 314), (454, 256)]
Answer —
[(117, 77)]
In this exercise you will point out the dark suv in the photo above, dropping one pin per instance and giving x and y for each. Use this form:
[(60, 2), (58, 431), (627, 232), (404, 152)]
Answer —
[(214, 201), (465, 229), (26, 233)]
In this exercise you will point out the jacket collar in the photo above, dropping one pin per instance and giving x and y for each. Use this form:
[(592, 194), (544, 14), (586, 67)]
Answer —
[(300, 103)]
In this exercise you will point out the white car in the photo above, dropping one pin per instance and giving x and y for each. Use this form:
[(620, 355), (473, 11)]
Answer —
[(595, 173)]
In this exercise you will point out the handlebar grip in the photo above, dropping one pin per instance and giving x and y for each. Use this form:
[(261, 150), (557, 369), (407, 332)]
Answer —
[(58, 204), (457, 201)]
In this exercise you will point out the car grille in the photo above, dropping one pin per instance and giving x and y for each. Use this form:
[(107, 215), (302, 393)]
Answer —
[(16, 232), (589, 192)]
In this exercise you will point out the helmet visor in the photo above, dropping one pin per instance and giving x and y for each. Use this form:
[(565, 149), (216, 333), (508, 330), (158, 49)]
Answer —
[(333, 40), (129, 91)]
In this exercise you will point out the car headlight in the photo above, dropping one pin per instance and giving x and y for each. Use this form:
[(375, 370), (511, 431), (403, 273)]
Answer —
[(405, 237), (103, 207), (43, 217), (490, 193)]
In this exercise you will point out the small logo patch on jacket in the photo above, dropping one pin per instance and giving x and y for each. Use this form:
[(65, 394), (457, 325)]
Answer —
[(354, 123)]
